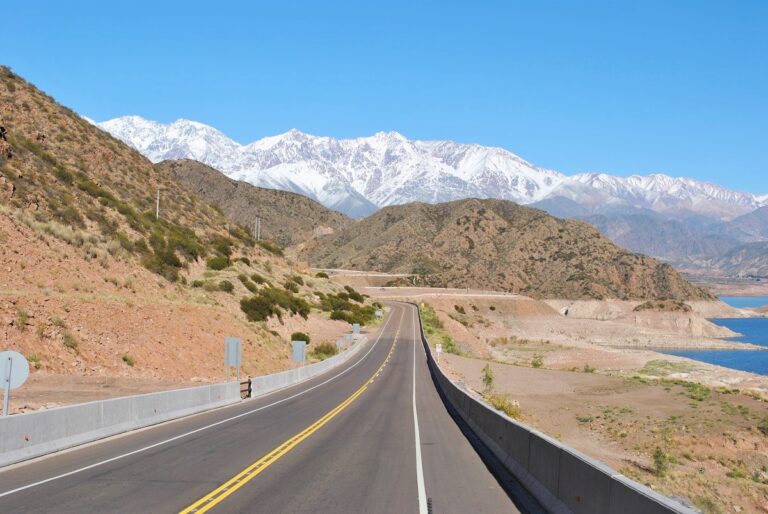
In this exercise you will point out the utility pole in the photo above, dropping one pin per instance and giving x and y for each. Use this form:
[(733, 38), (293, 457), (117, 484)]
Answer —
[(157, 205)]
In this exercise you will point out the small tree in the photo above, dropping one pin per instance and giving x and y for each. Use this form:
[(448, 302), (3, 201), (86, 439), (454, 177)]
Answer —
[(488, 377), (300, 336)]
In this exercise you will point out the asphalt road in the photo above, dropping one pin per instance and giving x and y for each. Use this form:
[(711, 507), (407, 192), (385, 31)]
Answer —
[(370, 436)]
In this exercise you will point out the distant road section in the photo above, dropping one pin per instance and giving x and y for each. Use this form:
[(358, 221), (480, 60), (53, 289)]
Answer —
[(371, 436)]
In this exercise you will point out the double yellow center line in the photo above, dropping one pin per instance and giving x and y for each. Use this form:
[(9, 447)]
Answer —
[(213, 498)]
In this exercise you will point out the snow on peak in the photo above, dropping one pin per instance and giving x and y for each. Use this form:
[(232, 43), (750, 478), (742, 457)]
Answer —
[(360, 175)]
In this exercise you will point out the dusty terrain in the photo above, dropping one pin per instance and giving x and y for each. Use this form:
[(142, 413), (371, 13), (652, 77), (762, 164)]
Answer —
[(81, 320), (96, 282), (732, 286), (709, 440), (688, 429), (477, 317)]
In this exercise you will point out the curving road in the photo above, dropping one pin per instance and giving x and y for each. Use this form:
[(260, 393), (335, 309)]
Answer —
[(370, 436)]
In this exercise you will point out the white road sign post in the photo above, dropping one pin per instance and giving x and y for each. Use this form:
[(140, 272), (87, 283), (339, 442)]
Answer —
[(438, 351), (14, 370), (233, 355)]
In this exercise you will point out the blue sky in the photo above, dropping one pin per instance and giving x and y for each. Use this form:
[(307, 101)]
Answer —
[(625, 87)]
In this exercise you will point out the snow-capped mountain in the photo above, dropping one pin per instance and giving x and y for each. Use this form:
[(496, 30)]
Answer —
[(675, 197), (358, 176)]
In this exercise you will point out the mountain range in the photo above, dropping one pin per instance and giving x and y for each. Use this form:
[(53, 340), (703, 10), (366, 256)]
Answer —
[(359, 176), (689, 223)]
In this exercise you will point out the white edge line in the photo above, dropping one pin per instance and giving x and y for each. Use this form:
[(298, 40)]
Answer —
[(192, 432), (419, 467)]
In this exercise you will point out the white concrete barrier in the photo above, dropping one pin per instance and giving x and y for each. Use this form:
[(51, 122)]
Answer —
[(25, 436), (269, 383), (562, 479)]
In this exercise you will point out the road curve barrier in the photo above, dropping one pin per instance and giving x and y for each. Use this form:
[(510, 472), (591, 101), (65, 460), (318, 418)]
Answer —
[(29, 435), (33, 434), (562, 479), (269, 383)]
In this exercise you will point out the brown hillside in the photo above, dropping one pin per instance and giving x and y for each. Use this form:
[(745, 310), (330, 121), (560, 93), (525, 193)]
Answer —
[(92, 284), (499, 245), (287, 218)]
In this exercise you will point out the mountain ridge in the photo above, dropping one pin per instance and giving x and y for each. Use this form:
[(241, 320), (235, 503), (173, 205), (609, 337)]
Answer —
[(358, 176), (498, 245)]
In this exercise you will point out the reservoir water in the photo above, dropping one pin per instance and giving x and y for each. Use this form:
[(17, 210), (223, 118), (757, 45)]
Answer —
[(753, 330)]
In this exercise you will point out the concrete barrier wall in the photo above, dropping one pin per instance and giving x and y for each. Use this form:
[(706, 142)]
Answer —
[(562, 479), (25, 436), (269, 383)]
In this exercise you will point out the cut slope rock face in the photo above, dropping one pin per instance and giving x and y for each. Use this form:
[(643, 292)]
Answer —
[(287, 218), (499, 245)]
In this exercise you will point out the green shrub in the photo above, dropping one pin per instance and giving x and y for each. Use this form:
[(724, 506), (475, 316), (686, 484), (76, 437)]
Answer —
[(298, 279), (763, 426), (321, 274), (356, 297), (504, 404), (430, 320), (222, 245), (325, 350), (698, 392), (537, 361), (250, 286), (258, 279), (271, 247), (300, 336), (217, 263), (259, 308), (22, 318), (70, 341), (488, 377), (245, 260), (449, 346), (156, 263), (660, 462), (226, 286), (34, 359), (197, 283), (128, 359), (271, 302)]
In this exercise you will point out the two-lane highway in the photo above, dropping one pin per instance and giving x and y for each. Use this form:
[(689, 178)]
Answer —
[(370, 436)]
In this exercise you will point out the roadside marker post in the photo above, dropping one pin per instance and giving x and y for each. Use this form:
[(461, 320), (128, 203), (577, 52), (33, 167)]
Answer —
[(233, 355), (14, 370), (299, 352), (438, 351)]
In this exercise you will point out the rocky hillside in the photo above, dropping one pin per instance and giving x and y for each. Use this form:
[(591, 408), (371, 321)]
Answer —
[(92, 282), (499, 245), (683, 243), (287, 218), (747, 260)]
